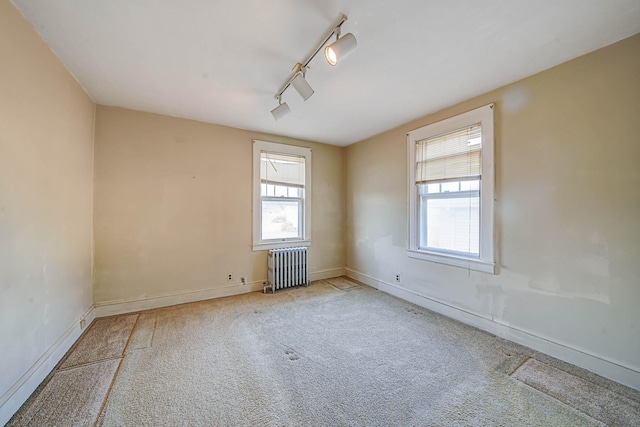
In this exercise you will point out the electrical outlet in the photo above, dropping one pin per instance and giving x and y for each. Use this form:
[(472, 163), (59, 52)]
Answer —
[(244, 282), (230, 277), (83, 323), (397, 278)]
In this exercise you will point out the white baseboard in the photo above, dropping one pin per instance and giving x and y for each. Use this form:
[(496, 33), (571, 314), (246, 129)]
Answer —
[(363, 278), (13, 399), (111, 308), (601, 365), (327, 274)]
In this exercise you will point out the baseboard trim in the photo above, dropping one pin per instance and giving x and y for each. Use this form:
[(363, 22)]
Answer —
[(601, 365), (363, 278), (15, 397), (327, 274), (114, 307)]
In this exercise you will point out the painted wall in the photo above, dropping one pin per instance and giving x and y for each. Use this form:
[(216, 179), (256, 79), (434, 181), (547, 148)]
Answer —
[(46, 175), (567, 215), (173, 202)]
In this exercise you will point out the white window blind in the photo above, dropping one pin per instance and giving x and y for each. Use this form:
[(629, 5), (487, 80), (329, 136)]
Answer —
[(455, 154), (282, 169)]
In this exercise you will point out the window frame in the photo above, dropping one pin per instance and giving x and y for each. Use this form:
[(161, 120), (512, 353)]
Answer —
[(485, 262), (292, 150)]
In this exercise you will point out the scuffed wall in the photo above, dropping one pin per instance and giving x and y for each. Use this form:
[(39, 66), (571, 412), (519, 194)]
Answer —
[(567, 209), (173, 206), (46, 179)]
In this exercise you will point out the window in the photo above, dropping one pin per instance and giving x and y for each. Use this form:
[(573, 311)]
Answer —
[(451, 191), (281, 199)]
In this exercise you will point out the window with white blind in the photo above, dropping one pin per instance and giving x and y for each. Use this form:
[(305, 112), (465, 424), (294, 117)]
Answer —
[(282, 203), (451, 191)]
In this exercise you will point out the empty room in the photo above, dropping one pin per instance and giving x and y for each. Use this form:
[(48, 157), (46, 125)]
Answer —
[(287, 213)]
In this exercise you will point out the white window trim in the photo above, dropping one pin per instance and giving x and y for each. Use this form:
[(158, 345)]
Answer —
[(273, 147), (486, 261)]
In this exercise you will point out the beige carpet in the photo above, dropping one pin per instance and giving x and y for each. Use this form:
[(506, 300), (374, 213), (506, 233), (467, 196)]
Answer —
[(76, 391), (602, 404), (333, 354), (72, 397), (107, 339), (342, 283), (143, 333)]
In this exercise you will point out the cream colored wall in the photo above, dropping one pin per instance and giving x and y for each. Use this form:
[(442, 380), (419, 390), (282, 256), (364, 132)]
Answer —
[(567, 214), (46, 176), (173, 201)]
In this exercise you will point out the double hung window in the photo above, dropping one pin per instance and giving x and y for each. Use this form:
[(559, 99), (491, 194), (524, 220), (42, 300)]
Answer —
[(282, 176), (451, 191)]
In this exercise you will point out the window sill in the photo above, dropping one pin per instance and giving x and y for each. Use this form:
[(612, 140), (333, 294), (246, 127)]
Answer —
[(280, 245), (456, 261)]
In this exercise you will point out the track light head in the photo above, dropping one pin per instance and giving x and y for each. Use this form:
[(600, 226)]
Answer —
[(340, 48), (281, 110), (302, 86)]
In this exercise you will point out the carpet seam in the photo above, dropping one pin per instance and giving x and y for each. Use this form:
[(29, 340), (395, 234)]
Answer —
[(106, 396), (135, 325), (561, 402), (520, 366), (243, 335), (115, 374), (74, 347), (22, 411), (36, 393), (93, 362), (579, 377), (153, 333)]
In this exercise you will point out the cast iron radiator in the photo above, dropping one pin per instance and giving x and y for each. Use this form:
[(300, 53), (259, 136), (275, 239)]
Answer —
[(287, 268)]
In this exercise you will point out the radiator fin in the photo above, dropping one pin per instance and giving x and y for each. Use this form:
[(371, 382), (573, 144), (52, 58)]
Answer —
[(287, 268)]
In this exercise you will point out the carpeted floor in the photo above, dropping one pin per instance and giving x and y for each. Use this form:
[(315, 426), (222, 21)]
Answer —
[(587, 397), (336, 353)]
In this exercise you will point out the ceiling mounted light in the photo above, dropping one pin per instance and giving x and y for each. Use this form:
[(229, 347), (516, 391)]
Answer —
[(340, 48), (302, 86), (281, 110)]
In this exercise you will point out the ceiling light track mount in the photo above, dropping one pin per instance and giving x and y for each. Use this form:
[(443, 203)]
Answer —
[(338, 49)]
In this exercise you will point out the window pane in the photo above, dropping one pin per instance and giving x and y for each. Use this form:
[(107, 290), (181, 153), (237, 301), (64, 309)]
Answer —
[(434, 188), (280, 219), (450, 224), (281, 191), (294, 192), (450, 186), (470, 185)]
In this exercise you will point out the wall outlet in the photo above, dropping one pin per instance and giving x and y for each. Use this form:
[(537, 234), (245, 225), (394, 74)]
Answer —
[(244, 282), (397, 278), (83, 323), (230, 277)]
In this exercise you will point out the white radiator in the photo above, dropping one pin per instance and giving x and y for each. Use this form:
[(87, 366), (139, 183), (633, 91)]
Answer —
[(287, 268)]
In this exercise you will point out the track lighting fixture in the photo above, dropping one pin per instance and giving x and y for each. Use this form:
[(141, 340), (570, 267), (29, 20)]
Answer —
[(337, 50), (302, 86), (281, 110), (340, 48)]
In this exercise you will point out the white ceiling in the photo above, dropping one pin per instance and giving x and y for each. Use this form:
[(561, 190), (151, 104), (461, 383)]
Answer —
[(222, 61)]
